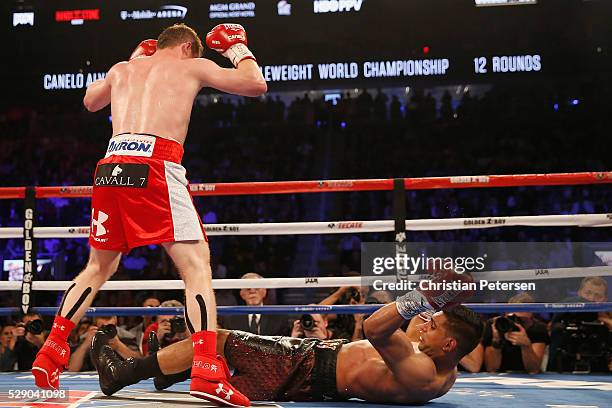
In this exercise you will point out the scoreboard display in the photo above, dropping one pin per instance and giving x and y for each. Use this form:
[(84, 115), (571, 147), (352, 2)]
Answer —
[(62, 46)]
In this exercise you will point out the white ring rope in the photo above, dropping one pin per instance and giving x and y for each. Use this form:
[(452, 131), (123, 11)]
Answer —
[(313, 282), (351, 227)]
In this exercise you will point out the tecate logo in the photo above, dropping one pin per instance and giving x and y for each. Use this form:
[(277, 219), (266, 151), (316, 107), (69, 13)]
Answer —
[(336, 6)]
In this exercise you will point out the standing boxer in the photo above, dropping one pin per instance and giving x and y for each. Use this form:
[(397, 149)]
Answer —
[(141, 195)]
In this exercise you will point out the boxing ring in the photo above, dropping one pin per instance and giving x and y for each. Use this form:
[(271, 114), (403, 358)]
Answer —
[(484, 389)]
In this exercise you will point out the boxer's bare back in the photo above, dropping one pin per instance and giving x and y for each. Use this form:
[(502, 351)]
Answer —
[(155, 94)]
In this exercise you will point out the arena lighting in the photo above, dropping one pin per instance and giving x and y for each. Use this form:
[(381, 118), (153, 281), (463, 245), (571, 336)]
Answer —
[(575, 102)]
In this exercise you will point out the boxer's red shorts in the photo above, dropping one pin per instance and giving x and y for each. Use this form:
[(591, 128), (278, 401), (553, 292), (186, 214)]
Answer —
[(140, 195)]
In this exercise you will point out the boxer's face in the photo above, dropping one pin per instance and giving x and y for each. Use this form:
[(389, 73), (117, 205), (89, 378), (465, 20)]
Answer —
[(433, 339)]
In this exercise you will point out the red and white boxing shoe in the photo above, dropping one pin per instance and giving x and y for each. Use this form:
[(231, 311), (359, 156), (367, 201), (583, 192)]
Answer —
[(53, 356), (210, 374)]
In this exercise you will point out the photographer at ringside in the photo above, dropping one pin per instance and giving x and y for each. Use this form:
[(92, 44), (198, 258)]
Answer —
[(28, 338), (119, 339), (515, 341), (346, 326), (165, 330), (311, 325), (582, 342)]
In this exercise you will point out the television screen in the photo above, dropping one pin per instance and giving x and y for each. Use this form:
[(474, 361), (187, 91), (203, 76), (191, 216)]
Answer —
[(14, 267)]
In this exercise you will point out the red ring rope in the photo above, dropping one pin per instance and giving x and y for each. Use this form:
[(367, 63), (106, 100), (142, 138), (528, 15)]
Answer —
[(289, 187)]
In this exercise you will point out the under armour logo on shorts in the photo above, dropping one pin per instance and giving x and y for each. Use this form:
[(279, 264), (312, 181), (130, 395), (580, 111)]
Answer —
[(102, 217)]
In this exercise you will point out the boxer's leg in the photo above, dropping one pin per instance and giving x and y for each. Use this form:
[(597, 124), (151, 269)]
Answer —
[(170, 364), (101, 266), (209, 373), (192, 259), (54, 355), (177, 357)]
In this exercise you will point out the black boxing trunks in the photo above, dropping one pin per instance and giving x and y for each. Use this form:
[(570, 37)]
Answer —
[(274, 368)]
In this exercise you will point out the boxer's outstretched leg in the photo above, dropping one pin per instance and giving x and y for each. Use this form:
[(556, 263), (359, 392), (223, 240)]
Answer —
[(209, 374), (54, 355), (168, 365)]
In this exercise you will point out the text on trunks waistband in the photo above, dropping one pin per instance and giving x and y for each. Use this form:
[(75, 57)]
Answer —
[(131, 145)]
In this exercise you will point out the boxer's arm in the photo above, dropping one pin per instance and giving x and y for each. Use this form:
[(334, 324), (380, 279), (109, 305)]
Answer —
[(98, 94), (383, 331), (245, 80)]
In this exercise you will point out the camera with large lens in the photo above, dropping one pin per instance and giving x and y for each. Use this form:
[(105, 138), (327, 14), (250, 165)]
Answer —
[(110, 330), (177, 325), (307, 322), (34, 326), (506, 324)]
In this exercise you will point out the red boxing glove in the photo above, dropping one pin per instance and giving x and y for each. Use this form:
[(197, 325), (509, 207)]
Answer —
[(146, 48), (229, 40), (451, 296)]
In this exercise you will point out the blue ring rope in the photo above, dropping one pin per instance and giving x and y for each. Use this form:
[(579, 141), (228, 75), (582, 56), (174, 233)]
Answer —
[(335, 309)]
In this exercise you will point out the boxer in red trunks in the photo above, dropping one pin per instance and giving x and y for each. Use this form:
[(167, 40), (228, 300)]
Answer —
[(140, 194)]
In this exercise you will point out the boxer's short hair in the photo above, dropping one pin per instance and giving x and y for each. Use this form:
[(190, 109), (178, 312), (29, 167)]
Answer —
[(178, 34), (465, 326)]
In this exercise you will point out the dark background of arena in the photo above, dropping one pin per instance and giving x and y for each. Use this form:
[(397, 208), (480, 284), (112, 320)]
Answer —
[(555, 120)]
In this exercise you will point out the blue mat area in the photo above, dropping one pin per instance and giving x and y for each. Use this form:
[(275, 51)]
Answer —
[(483, 390)]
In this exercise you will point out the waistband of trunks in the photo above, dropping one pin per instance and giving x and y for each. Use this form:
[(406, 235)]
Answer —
[(324, 371), (145, 145)]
